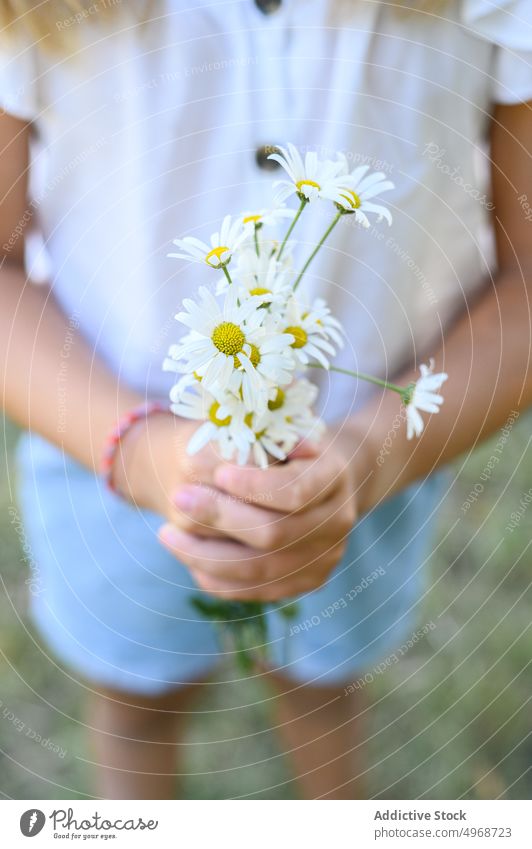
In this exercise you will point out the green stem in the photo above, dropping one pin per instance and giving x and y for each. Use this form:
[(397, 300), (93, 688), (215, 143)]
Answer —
[(294, 221), (256, 238), (227, 274), (318, 246), (402, 390)]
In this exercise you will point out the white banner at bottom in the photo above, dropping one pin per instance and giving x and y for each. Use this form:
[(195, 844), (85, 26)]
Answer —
[(263, 824)]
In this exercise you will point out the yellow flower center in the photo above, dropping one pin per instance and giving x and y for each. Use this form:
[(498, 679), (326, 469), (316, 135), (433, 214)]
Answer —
[(352, 198), (277, 402), (248, 419), (302, 183), (228, 338), (306, 315), (216, 252), (251, 218), (213, 416), (260, 291), (197, 376), (300, 335), (254, 357)]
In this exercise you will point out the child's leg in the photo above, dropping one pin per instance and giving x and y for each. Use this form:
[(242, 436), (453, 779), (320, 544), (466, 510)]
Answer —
[(136, 742), (320, 727)]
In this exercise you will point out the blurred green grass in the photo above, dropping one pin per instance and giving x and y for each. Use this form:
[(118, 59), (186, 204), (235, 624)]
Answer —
[(450, 720)]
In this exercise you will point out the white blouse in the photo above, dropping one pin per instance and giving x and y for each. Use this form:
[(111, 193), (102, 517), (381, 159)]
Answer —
[(148, 133)]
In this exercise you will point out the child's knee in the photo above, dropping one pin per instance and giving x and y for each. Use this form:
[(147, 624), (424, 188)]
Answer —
[(138, 717)]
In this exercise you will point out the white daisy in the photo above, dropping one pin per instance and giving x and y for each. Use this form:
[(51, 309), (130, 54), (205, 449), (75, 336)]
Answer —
[(288, 420), (265, 447), (267, 217), (226, 338), (310, 178), (272, 363), (358, 190), (424, 397), (217, 334), (224, 422), (222, 245), (261, 276), (328, 325), (290, 416), (311, 327), (187, 378)]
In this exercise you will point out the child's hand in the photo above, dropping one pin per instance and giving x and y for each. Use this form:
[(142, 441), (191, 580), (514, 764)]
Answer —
[(284, 528), (152, 465)]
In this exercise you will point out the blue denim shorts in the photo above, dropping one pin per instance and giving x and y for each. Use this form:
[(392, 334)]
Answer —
[(114, 606)]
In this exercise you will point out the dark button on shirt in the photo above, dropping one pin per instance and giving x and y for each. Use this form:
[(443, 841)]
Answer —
[(261, 157), (267, 7)]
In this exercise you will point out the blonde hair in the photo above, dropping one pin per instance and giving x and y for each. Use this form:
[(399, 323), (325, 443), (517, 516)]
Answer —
[(52, 23)]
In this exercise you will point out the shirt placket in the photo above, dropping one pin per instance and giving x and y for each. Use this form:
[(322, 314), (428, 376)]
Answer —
[(269, 90)]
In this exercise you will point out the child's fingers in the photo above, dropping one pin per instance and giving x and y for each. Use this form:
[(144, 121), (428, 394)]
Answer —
[(208, 512), (305, 448), (229, 590), (225, 560), (228, 568), (287, 487), (205, 511)]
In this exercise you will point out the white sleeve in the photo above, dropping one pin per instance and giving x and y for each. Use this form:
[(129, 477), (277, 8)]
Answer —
[(507, 25), (18, 78)]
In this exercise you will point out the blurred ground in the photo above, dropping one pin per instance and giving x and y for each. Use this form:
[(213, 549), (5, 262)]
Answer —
[(450, 720)]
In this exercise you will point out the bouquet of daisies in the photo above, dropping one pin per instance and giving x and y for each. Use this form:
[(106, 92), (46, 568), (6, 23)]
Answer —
[(242, 368)]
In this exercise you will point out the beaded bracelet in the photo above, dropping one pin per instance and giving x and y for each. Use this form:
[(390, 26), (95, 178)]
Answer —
[(117, 434)]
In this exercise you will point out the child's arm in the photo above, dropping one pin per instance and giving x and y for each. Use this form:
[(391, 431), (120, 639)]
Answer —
[(487, 354), (294, 520), (33, 332), (32, 338)]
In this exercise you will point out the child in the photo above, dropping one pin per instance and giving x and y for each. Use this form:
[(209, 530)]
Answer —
[(126, 125)]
